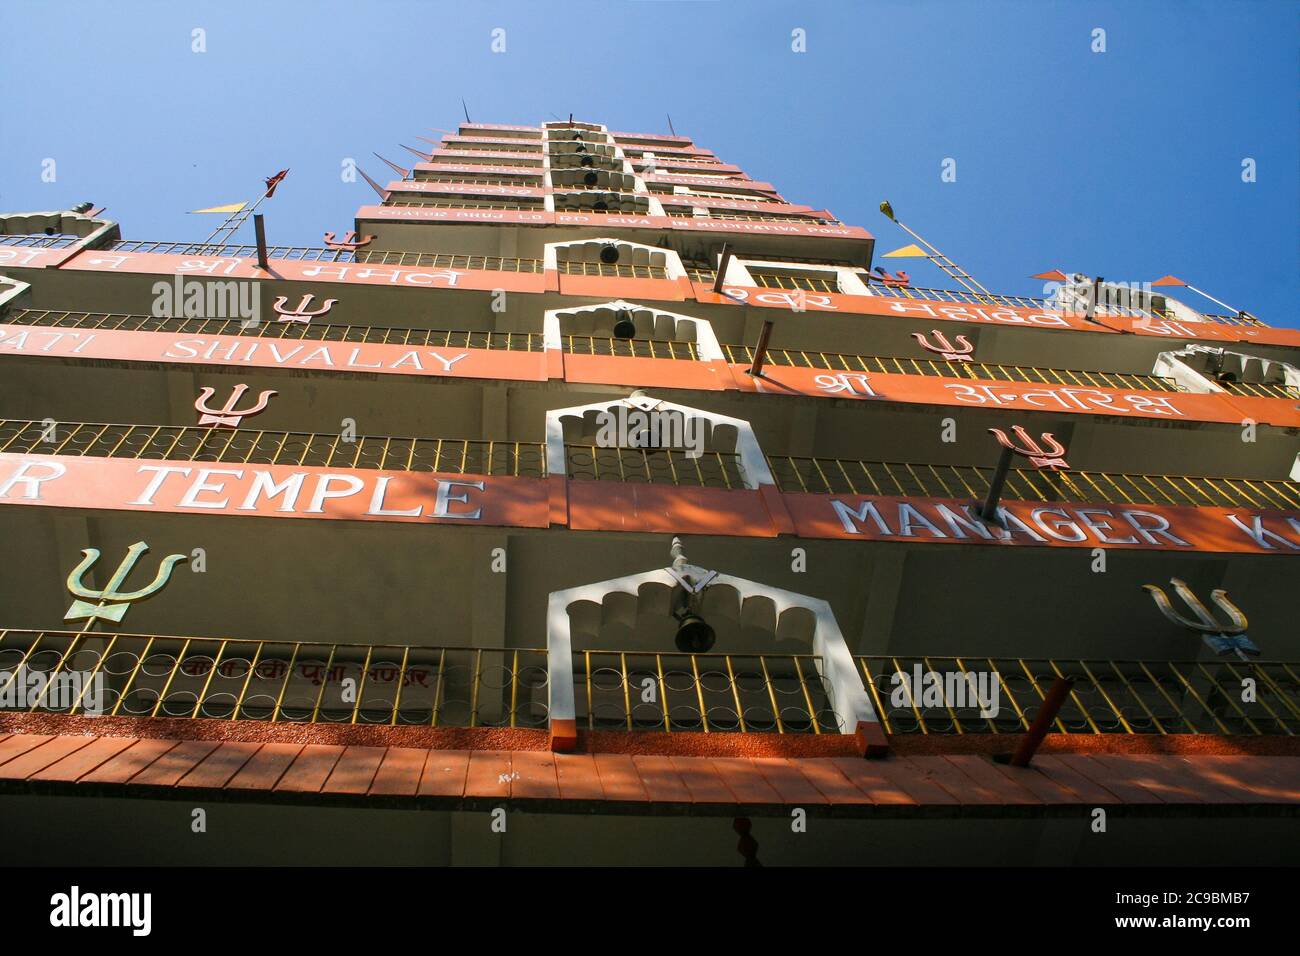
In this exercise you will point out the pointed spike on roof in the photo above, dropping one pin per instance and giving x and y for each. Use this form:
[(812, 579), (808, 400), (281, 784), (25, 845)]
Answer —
[(427, 157), (1055, 275), (1169, 280), (393, 166), (383, 193)]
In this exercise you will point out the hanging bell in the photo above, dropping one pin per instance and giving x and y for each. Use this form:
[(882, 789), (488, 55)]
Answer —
[(590, 177), (624, 327), (609, 253), (694, 635), (587, 161), (600, 205)]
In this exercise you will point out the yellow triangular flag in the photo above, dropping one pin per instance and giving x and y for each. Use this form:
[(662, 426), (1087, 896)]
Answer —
[(907, 252), (231, 207)]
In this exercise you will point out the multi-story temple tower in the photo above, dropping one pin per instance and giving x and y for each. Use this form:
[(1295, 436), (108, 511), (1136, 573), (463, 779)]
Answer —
[(590, 479)]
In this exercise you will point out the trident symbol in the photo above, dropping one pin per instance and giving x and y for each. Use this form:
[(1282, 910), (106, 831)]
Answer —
[(1049, 458), (350, 242), (300, 314), (114, 612), (1038, 457), (1224, 638), (227, 416), (944, 347)]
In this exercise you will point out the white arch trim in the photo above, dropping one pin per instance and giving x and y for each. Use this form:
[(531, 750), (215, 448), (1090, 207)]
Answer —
[(706, 342), (839, 673), (753, 463)]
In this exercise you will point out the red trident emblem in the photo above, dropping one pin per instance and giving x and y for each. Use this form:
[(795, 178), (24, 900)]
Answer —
[(302, 313), (349, 242), (228, 416), (944, 348), (1049, 458)]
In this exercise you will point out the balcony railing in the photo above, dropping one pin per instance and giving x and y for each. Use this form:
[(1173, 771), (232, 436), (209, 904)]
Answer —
[(666, 190), (659, 466), (984, 371), (1243, 318), (1261, 389), (144, 675), (485, 179), (578, 268), (605, 345), (706, 275), (727, 216), (324, 331), (535, 206), (639, 348), (1109, 696), (840, 476), (673, 692), (161, 676), (250, 446), (39, 241), (589, 462), (423, 260)]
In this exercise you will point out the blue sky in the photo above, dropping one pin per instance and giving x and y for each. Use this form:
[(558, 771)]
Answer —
[(1125, 163)]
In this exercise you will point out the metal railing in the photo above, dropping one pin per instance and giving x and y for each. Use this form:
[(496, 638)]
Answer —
[(1261, 389), (576, 268), (422, 260), (912, 479), (604, 345), (251, 446), (1030, 302), (674, 692), (711, 469), (637, 208), (146, 675), (485, 157), (1242, 318), (40, 241), (523, 206), (1108, 697), (485, 179), (150, 675), (665, 193), (514, 145), (658, 466), (323, 331), (984, 371), (639, 348), (706, 275), (732, 216), (581, 188)]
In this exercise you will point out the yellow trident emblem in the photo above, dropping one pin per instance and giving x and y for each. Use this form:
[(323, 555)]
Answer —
[(1223, 638), (114, 611)]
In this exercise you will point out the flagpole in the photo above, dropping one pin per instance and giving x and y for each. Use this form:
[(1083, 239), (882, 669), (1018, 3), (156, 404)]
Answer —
[(240, 216), (938, 258), (1175, 281), (1215, 301), (235, 220)]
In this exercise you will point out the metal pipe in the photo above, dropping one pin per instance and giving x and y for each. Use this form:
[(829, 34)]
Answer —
[(989, 509), (259, 228), (760, 351), (723, 262), (1051, 706)]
